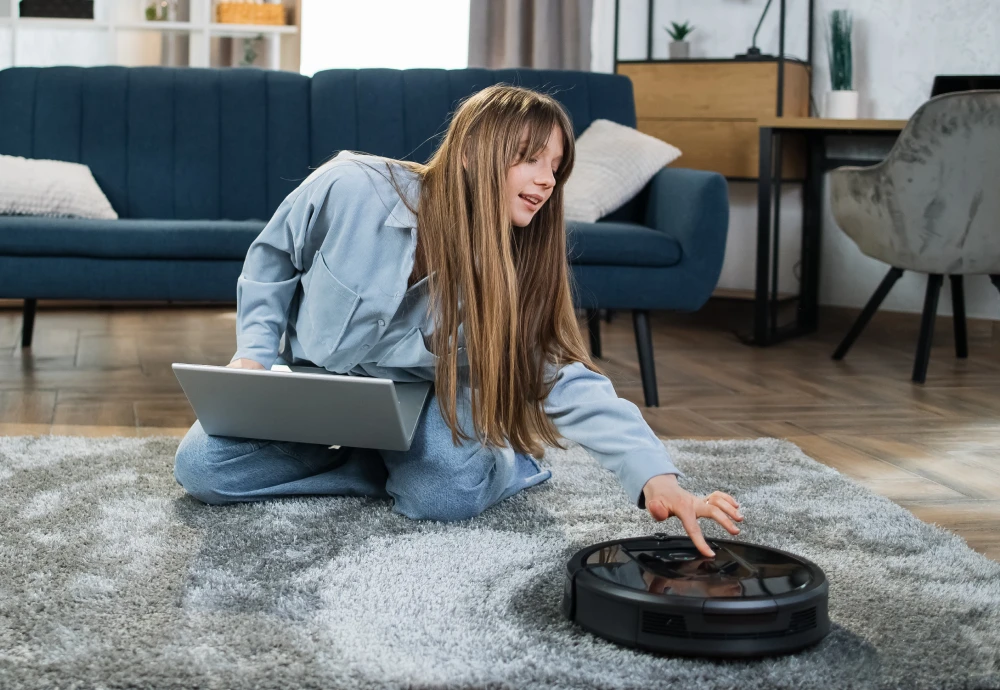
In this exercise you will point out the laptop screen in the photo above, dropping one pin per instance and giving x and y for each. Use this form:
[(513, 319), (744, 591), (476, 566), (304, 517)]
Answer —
[(949, 83)]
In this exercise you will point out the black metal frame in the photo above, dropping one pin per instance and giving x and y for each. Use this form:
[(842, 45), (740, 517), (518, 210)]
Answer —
[(766, 329), (780, 59)]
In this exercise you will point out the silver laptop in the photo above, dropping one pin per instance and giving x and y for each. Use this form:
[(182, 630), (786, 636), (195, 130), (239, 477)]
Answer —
[(304, 404)]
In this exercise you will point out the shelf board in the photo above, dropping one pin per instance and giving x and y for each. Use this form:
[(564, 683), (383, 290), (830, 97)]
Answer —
[(158, 26), (53, 23), (230, 29)]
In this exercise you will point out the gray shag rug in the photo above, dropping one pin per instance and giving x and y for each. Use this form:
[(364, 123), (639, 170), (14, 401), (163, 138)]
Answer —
[(112, 577)]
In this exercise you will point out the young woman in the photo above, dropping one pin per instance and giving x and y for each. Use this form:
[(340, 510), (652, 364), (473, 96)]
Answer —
[(454, 272)]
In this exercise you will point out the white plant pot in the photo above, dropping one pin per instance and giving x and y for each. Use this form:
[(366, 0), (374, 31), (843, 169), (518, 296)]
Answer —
[(680, 49), (841, 105)]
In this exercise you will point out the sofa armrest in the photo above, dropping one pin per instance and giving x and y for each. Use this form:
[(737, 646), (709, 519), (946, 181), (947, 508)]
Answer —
[(692, 207)]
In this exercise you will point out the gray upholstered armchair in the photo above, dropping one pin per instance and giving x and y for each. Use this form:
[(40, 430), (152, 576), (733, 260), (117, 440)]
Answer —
[(932, 206)]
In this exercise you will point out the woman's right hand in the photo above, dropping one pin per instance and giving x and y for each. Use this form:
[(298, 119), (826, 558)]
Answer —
[(244, 363)]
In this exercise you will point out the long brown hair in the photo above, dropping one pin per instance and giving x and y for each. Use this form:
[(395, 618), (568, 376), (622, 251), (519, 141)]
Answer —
[(509, 287)]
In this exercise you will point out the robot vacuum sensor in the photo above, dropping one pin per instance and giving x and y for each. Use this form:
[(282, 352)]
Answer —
[(661, 594)]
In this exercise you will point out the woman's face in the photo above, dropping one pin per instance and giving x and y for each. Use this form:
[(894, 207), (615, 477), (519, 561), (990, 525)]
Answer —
[(531, 180)]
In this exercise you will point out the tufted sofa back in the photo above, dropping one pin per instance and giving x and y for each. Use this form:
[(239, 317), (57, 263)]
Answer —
[(192, 143)]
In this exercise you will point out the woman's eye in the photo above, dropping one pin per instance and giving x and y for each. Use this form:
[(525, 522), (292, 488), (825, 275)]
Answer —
[(532, 160)]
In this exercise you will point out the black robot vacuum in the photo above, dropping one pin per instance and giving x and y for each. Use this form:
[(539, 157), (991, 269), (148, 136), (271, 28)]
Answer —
[(661, 594)]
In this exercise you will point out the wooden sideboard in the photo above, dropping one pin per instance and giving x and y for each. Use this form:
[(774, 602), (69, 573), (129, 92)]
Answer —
[(709, 110)]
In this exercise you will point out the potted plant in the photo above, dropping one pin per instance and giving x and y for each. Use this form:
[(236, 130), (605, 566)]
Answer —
[(679, 48), (842, 101)]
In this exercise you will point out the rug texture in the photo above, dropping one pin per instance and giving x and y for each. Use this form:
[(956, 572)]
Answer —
[(111, 577)]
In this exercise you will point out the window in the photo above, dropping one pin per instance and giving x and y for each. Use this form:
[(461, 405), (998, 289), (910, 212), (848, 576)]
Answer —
[(384, 33)]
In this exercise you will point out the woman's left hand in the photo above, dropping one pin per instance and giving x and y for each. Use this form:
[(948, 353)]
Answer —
[(665, 498)]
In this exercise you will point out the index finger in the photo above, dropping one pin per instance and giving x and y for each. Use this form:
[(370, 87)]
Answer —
[(691, 526)]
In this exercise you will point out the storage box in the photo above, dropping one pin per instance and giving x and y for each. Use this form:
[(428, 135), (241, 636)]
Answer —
[(250, 13), (58, 9)]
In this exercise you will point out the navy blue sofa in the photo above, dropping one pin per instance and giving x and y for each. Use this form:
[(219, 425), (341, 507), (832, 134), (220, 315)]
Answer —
[(195, 161)]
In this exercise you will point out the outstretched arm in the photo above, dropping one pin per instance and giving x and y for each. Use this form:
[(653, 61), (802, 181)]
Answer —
[(585, 409)]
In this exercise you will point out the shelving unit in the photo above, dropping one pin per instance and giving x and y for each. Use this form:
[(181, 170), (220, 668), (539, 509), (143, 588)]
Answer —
[(120, 16)]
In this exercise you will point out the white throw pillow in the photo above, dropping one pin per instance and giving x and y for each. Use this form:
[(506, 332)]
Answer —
[(36, 187), (613, 164)]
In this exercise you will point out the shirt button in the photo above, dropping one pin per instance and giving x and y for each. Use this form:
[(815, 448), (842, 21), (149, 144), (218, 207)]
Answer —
[(381, 322), (364, 347)]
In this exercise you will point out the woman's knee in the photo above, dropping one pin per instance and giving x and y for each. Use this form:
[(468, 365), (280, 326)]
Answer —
[(445, 486), (198, 463)]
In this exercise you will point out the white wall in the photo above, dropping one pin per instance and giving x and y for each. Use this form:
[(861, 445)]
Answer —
[(384, 33), (899, 46)]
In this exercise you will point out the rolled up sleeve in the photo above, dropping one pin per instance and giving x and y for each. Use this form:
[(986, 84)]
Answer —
[(585, 408), (273, 267)]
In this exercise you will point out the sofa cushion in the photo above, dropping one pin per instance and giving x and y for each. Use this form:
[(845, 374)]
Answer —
[(620, 244), (127, 238), (602, 243)]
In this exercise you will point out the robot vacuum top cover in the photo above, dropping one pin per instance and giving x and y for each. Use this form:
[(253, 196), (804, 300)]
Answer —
[(661, 594)]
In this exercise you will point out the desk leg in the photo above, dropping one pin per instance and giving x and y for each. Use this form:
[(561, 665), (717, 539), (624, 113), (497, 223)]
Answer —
[(777, 154), (812, 223), (762, 302)]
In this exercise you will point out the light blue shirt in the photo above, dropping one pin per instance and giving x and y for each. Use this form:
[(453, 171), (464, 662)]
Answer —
[(325, 283)]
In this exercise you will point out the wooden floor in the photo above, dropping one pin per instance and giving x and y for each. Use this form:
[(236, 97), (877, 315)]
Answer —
[(105, 370)]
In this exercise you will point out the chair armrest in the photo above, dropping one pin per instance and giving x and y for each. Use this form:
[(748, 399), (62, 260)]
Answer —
[(692, 207)]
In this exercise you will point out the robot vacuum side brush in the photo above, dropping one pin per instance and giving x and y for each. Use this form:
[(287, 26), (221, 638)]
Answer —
[(660, 594)]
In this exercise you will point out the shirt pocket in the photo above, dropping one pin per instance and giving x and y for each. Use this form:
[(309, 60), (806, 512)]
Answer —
[(325, 311)]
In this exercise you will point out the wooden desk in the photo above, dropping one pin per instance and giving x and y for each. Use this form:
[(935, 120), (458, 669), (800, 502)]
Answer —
[(813, 132)]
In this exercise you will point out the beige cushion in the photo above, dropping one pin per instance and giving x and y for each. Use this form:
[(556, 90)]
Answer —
[(38, 187), (613, 163)]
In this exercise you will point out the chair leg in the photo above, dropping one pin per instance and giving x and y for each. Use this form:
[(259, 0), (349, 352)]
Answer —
[(927, 327), (594, 329), (868, 312), (28, 322), (608, 313), (958, 311), (644, 343)]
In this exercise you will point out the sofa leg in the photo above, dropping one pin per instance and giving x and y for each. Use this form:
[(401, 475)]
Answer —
[(594, 329), (28, 322), (927, 327), (644, 343), (868, 312), (958, 311)]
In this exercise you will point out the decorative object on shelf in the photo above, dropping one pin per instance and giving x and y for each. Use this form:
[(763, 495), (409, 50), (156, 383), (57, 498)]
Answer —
[(58, 9), (842, 101), (250, 50), (161, 11), (250, 12), (753, 52), (679, 48)]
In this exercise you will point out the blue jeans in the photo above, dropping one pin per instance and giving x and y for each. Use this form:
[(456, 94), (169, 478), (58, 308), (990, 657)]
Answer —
[(433, 480)]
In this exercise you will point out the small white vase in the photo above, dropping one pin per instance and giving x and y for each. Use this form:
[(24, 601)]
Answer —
[(680, 49), (841, 105)]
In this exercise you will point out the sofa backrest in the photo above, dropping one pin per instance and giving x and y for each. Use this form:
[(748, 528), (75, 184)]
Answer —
[(404, 113), (190, 143), (166, 142)]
